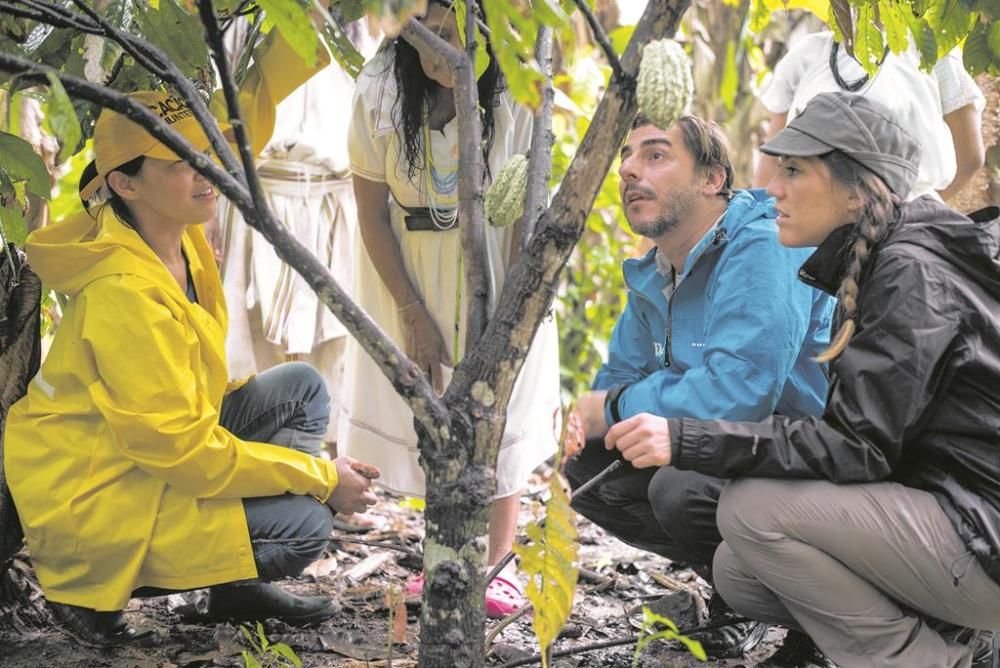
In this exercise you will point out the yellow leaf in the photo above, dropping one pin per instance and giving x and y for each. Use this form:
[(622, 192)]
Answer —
[(549, 563)]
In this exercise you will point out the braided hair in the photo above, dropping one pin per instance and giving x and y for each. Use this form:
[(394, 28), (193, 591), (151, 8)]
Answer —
[(879, 211)]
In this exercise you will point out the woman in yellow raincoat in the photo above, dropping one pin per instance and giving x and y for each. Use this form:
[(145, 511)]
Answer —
[(135, 466)]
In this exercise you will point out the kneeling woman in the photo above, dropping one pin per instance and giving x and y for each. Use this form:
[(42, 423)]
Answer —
[(134, 465), (890, 555)]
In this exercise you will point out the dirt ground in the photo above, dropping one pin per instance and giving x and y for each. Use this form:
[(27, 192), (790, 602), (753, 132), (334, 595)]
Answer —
[(615, 580)]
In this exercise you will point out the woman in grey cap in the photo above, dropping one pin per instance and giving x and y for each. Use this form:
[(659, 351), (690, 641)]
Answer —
[(874, 527)]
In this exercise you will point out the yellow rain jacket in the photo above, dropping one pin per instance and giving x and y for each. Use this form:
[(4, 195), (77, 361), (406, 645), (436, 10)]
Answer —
[(120, 471)]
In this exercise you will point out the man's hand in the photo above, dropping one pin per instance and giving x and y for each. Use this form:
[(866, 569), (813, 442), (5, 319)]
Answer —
[(591, 409), (643, 439), (353, 493)]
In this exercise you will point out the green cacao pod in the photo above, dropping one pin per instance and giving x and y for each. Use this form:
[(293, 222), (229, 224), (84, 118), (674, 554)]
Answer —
[(665, 83), (504, 202)]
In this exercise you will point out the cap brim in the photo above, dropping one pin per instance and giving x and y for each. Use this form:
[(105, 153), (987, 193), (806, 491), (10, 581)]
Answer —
[(93, 183), (792, 141)]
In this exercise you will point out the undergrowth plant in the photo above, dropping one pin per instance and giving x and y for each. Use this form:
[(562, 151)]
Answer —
[(265, 654), (658, 627)]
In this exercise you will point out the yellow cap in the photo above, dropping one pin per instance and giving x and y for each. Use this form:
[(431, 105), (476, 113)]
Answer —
[(118, 140)]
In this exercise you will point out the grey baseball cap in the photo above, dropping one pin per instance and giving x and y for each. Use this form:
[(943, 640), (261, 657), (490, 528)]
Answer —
[(862, 128)]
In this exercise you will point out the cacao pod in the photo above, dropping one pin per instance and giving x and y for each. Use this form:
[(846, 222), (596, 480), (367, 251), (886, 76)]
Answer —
[(504, 201), (665, 85)]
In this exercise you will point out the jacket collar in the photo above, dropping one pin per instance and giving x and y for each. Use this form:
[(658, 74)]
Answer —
[(826, 267)]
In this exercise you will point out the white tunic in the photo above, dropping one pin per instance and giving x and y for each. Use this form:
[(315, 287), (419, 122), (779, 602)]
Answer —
[(377, 426), (920, 100)]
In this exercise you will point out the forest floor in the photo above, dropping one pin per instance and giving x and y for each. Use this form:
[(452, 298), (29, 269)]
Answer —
[(615, 582)]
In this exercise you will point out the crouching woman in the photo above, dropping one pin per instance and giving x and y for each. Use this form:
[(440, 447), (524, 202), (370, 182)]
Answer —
[(875, 527), (135, 466)]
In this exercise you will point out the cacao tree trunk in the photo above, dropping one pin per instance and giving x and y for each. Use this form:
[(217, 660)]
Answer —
[(459, 457)]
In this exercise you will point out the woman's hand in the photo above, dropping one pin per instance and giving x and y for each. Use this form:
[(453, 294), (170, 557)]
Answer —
[(425, 345), (353, 493), (643, 439)]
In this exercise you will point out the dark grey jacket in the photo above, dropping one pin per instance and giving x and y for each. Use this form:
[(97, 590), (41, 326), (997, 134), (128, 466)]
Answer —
[(915, 397)]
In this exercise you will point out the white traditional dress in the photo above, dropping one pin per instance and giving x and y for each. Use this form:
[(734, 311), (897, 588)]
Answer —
[(377, 425), (305, 173)]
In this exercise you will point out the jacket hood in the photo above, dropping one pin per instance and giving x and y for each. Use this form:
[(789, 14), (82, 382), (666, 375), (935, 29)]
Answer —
[(83, 248), (969, 243), (744, 208)]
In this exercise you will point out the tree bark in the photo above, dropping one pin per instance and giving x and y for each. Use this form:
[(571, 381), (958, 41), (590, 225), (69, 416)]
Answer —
[(459, 459)]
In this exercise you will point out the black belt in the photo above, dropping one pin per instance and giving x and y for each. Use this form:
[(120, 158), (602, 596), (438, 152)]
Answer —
[(419, 219)]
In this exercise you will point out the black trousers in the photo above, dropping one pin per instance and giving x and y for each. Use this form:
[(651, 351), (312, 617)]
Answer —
[(662, 510)]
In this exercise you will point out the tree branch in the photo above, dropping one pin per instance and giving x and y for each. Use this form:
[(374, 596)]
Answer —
[(602, 38), (531, 284), (542, 139), (470, 174), (232, 95), (404, 375)]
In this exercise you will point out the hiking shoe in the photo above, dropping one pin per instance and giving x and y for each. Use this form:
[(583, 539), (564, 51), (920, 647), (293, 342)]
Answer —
[(258, 601), (985, 645), (728, 641), (99, 629), (798, 651)]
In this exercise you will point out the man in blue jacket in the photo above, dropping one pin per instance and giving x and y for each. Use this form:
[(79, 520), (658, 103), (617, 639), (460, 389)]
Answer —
[(717, 326)]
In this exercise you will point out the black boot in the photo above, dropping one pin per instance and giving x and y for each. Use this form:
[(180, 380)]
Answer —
[(99, 629), (732, 640), (798, 651), (259, 601)]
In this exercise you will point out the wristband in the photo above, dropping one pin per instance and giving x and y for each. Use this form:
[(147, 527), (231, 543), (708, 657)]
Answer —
[(611, 402)]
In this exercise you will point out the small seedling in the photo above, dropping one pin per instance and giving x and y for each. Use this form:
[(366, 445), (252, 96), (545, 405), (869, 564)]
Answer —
[(658, 627), (265, 654)]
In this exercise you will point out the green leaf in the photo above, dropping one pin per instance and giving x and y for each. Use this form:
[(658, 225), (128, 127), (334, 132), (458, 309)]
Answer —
[(343, 49), (13, 225), (351, 10), (293, 20), (923, 37), (550, 565), (868, 45), (730, 78), (951, 22), (620, 37), (178, 33), (896, 31), (20, 163), (287, 652), (976, 53), (62, 119), (651, 631), (249, 661)]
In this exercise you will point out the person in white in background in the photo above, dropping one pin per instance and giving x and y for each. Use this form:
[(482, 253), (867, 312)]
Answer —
[(942, 108), (274, 316)]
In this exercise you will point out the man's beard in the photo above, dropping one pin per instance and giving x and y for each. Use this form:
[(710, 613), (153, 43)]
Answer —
[(677, 207)]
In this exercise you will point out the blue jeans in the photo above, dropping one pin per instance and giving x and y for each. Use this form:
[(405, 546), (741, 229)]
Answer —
[(286, 405)]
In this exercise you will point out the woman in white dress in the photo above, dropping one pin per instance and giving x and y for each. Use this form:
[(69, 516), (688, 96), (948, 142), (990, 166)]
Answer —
[(403, 145)]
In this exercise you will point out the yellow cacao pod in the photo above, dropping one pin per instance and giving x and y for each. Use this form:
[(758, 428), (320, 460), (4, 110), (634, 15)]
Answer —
[(665, 85), (504, 202)]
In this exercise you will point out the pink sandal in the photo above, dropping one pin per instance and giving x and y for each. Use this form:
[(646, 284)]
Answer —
[(415, 587), (503, 597)]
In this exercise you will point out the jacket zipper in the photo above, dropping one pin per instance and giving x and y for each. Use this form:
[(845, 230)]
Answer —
[(719, 237)]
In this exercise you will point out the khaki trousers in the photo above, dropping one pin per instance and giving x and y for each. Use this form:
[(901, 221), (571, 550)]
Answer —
[(859, 568)]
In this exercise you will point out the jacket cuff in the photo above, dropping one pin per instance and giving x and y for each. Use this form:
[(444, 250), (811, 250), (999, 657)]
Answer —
[(612, 404), (676, 428), (331, 482), (688, 445)]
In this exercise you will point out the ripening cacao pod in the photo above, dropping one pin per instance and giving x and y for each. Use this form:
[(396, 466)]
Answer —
[(504, 202), (665, 83)]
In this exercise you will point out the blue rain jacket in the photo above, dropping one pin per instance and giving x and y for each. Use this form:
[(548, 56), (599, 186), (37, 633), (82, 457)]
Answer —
[(737, 338)]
